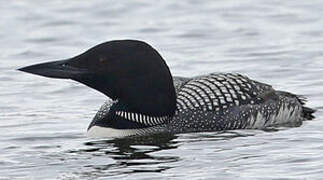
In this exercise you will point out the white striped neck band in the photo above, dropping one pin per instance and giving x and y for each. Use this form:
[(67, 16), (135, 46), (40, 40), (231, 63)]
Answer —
[(141, 118)]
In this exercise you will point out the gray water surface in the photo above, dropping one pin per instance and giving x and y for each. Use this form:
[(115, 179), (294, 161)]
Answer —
[(43, 121)]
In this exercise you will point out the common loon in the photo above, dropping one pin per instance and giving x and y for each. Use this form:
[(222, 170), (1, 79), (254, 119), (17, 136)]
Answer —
[(145, 99)]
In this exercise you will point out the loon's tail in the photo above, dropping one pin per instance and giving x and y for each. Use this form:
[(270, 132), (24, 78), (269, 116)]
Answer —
[(307, 112)]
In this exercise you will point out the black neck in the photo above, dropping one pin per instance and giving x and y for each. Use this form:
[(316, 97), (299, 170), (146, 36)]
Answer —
[(149, 96)]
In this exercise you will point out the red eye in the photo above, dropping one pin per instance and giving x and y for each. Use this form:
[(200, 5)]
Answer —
[(102, 59)]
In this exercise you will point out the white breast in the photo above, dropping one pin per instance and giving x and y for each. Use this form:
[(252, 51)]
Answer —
[(98, 131), (107, 132)]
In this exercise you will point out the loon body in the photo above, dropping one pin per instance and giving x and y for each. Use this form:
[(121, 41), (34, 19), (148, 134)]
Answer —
[(147, 99)]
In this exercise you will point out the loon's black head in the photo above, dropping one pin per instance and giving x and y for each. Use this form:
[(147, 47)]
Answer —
[(128, 70)]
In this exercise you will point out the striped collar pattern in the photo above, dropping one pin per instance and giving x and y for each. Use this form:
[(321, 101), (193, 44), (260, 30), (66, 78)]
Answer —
[(143, 119)]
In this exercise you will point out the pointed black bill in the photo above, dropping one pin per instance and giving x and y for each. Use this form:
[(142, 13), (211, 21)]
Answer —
[(55, 69)]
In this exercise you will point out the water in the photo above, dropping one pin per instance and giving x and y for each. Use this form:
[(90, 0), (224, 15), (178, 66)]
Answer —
[(43, 121)]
